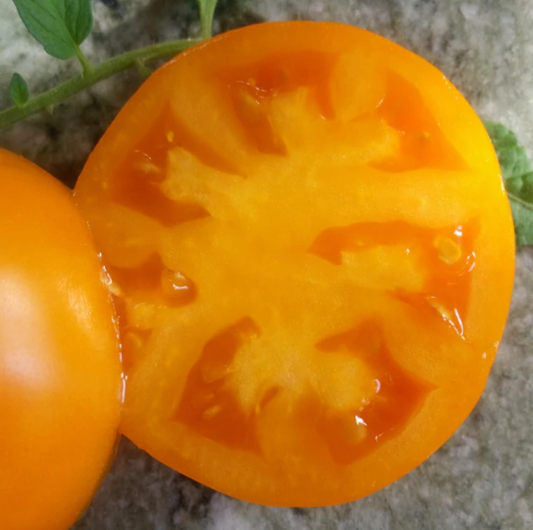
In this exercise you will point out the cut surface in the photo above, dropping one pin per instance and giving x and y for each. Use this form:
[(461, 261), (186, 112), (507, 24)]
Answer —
[(312, 259)]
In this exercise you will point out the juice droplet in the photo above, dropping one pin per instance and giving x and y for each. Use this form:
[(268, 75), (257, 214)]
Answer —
[(452, 317), (112, 286), (359, 421), (175, 284)]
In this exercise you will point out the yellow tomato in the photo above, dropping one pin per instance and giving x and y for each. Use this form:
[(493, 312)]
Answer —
[(60, 371), (312, 255)]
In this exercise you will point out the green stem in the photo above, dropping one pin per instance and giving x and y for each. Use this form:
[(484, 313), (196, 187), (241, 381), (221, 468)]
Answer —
[(143, 69), (85, 64), (207, 13), (94, 74)]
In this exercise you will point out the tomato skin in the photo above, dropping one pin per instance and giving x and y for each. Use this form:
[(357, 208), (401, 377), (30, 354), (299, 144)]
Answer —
[(253, 123), (60, 370)]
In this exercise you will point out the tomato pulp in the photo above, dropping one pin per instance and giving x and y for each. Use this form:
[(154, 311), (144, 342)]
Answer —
[(312, 258), (60, 370)]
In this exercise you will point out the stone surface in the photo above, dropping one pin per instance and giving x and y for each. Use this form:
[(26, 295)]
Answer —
[(483, 477)]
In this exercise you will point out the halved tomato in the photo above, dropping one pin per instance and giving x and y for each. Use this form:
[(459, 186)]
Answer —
[(312, 256)]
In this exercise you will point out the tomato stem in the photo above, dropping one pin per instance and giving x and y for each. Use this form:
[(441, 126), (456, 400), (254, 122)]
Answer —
[(207, 13), (85, 64), (143, 69), (91, 75)]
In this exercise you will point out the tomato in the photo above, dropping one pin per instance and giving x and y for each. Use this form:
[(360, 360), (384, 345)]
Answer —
[(60, 371), (312, 257)]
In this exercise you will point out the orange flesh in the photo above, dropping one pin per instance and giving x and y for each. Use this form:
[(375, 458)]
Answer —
[(260, 289)]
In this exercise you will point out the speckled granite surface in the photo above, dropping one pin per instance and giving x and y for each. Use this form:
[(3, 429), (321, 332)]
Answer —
[(483, 477)]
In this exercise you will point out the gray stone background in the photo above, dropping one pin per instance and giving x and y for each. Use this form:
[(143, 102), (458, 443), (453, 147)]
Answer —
[(483, 477)]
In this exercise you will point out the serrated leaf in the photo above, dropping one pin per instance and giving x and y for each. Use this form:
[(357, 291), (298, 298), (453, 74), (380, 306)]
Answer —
[(18, 90), (59, 25), (517, 172)]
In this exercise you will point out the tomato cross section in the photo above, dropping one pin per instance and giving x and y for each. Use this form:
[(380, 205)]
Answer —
[(294, 249)]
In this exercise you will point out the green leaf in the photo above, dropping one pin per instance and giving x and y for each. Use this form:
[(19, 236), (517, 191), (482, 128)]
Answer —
[(59, 25), (517, 172), (18, 90)]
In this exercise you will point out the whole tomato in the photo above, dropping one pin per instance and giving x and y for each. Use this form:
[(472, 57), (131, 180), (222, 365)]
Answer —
[(60, 370)]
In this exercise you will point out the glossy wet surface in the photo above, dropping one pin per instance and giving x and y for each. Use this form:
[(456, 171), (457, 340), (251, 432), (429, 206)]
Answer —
[(482, 477), (225, 239)]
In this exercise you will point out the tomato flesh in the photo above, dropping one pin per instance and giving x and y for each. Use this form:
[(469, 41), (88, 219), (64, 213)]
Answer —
[(312, 256)]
